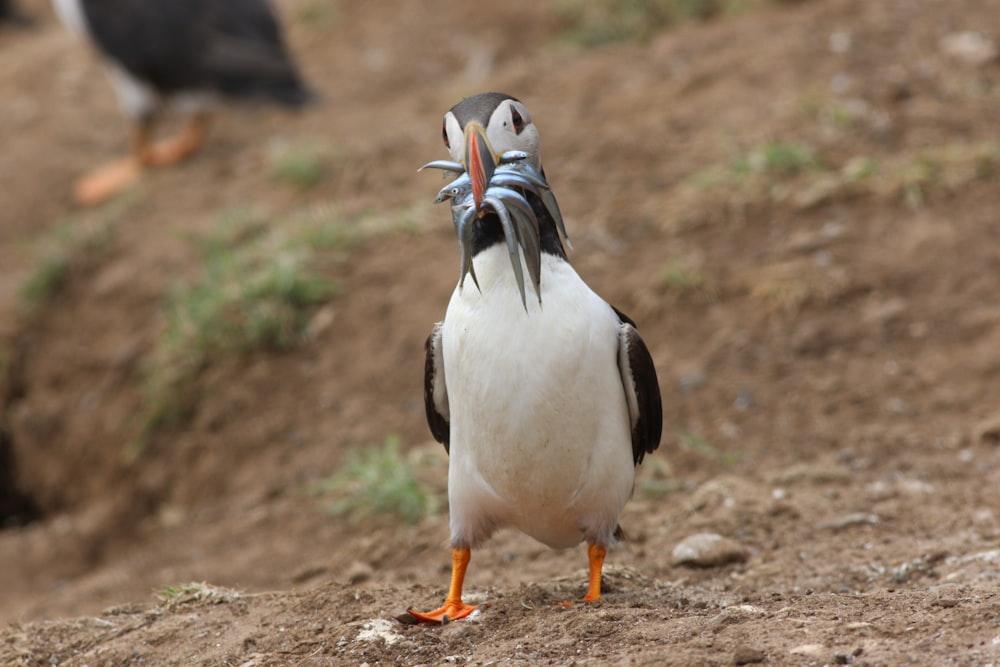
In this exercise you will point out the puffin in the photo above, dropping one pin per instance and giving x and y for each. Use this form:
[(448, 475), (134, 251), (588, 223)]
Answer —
[(544, 395), (186, 54)]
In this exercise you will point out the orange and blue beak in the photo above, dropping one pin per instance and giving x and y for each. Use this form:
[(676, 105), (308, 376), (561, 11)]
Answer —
[(480, 162)]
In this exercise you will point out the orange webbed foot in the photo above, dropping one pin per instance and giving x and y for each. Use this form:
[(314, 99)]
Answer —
[(105, 182), (453, 608), (451, 611)]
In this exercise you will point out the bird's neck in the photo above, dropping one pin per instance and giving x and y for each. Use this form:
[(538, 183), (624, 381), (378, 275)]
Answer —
[(489, 232)]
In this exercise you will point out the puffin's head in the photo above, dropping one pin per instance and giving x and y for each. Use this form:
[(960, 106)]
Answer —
[(495, 155), (481, 128)]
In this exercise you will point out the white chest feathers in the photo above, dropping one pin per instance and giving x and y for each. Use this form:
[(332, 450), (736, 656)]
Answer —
[(540, 433)]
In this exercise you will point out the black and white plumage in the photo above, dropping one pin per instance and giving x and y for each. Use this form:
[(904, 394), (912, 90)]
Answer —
[(188, 54), (545, 404)]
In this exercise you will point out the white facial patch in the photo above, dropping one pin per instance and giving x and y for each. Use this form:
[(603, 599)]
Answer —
[(503, 134), (456, 140)]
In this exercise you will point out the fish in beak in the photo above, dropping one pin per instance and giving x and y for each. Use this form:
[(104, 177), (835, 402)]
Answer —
[(487, 182)]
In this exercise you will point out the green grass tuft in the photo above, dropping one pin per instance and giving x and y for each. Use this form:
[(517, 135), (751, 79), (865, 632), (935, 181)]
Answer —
[(300, 164), (698, 444), (592, 23), (195, 592), (320, 13), (378, 481), (260, 284), (69, 248), (172, 592), (777, 157), (683, 276)]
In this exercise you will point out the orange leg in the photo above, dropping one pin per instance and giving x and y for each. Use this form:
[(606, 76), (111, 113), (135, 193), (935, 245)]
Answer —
[(595, 555), (175, 149), (453, 608), (104, 182)]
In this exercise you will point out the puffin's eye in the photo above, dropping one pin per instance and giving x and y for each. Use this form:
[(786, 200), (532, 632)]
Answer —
[(444, 134), (516, 119)]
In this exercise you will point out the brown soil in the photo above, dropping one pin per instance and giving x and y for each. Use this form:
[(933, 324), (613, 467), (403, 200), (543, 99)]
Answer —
[(829, 349)]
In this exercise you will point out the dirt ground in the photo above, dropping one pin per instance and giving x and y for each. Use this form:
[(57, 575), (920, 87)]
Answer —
[(798, 206)]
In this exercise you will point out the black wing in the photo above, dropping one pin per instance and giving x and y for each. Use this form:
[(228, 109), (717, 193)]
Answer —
[(435, 391), (642, 390), (233, 47)]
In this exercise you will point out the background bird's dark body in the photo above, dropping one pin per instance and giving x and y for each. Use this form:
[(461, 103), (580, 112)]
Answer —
[(9, 13), (234, 47), (187, 54)]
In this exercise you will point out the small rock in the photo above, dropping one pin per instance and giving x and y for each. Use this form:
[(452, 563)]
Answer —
[(308, 572), (358, 572), (320, 322), (812, 473), (708, 550), (691, 381), (810, 650), (406, 618), (733, 615), (945, 596), (744, 655), (856, 519), (969, 47), (839, 41), (988, 430), (745, 400), (945, 602)]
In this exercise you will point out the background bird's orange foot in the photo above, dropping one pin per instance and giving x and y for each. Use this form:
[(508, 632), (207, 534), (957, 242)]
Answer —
[(175, 149), (172, 150), (104, 182), (451, 611)]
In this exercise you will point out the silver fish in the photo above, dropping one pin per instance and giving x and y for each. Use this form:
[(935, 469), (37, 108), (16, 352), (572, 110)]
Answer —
[(512, 177)]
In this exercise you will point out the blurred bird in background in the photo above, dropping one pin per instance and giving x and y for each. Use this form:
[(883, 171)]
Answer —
[(10, 14), (188, 54)]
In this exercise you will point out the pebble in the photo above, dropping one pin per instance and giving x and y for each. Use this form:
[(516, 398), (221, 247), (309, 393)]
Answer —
[(988, 430), (856, 519), (744, 655), (708, 550), (691, 381), (810, 650), (358, 572), (969, 47)]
